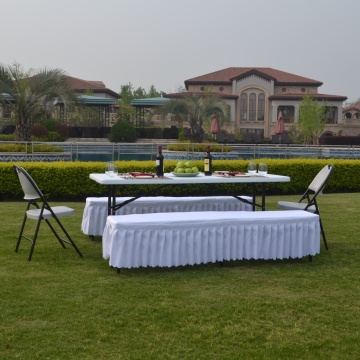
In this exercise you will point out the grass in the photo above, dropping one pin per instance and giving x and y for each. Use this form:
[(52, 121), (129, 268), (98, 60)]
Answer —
[(61, 306)]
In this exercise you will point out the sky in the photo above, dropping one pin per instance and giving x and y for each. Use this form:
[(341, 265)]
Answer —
[(165, 42)]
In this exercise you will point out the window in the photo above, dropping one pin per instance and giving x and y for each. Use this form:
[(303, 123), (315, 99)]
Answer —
[(252, 107), (6, 111), (261, 106), (288, 113), (243, 106), (331, 115)]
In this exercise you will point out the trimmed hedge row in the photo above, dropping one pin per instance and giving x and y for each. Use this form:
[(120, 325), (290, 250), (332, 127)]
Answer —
[(70, 180), (339, 140)]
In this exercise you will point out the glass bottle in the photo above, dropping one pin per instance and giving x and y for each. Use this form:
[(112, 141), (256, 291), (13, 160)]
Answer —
[(160, 163), (208, 163)]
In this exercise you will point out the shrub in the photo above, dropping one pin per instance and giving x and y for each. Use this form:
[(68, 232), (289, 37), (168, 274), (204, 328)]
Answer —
[(62, 130), (198, 147), (122, 131), (339, 140), (50, 124), (28, 149), (39, 131), (9, 137)]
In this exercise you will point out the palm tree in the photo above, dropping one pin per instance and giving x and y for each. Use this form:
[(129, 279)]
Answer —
[(197, 110), (28, 91)]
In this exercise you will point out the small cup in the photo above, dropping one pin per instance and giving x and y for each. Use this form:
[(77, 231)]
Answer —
[(252, 168), (263, 169), (111, 169)]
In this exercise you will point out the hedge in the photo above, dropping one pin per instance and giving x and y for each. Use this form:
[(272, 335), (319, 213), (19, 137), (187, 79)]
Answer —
[(70, 180)]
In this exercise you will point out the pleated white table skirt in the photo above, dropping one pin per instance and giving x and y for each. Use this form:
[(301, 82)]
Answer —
[(95, 211), (174, 239)]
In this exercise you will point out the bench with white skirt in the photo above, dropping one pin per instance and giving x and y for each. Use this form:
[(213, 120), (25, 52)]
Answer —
[(188, 238), (96, 211)]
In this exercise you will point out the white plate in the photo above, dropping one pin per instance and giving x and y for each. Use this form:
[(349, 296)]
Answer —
[(242, 175), (143, 176)]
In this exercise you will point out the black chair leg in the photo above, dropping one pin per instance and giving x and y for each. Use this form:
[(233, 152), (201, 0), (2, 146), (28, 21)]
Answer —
[(21, 233), (70, 240), (323, 235), (34, 239), (56, 234)]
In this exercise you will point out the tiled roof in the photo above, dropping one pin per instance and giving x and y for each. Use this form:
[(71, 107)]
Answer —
[(226, 76), (200, 93), (80, 85), (355, 107), (319, 97)]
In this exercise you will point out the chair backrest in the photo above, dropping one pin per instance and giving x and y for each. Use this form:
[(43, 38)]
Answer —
[(321, 178), (31, 190)]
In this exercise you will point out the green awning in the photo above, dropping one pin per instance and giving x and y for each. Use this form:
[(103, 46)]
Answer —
[(149, 102)]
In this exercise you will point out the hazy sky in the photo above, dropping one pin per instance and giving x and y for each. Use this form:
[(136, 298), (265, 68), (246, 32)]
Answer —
[(165, 42)]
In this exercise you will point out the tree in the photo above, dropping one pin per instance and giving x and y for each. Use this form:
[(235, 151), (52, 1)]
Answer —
[(197, 110), (28, 91), (312, 119), (128, 93), (122, 131)]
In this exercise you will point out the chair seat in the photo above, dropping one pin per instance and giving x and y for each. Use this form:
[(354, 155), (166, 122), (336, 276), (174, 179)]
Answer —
[(58, 210), (288, 205)]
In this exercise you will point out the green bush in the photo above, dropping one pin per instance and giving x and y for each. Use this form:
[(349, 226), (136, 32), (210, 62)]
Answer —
[(7, 137), (198, 147), (70, 180), (122, 131), (28, 149), (50, 124)]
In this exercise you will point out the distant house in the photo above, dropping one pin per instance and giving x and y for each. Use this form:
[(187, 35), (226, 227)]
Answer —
[(352, 114), (95, 95), (96, 88), (256, 96)]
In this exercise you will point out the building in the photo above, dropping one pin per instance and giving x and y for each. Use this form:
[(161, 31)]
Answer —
[(100, 105), (257, 95), (100, 102)]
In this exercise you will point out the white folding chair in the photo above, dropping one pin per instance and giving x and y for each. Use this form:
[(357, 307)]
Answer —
[(315, 188), (42, 211)]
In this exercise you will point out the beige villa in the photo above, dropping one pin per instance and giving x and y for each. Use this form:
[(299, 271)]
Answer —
[(257, 95)]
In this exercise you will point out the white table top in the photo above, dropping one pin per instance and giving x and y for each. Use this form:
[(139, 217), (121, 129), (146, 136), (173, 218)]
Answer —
[(169, 178)]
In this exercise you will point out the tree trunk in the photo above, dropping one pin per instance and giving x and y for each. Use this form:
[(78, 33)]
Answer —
[(22, 131)]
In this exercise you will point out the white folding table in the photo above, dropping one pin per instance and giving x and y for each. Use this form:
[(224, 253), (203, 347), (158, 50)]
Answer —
[(113, 182)]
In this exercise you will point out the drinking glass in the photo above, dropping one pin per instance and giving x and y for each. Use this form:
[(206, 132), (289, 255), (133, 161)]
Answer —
[(111, 168), (252, 168), (263, 169)]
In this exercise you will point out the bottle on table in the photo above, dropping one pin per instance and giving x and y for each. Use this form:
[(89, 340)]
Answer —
[(159, 163), (208, 163)]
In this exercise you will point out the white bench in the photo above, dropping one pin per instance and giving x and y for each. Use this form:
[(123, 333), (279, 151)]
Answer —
[(174, 239), (96, 212)]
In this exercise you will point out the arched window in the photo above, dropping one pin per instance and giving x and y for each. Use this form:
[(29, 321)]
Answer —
[(261, 106), (243, 106), (252, 107)]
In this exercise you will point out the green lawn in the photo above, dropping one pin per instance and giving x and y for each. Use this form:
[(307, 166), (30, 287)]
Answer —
[(61, 306)]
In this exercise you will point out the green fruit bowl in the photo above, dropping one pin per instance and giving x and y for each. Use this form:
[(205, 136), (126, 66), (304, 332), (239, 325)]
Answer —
[(185, 174)]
